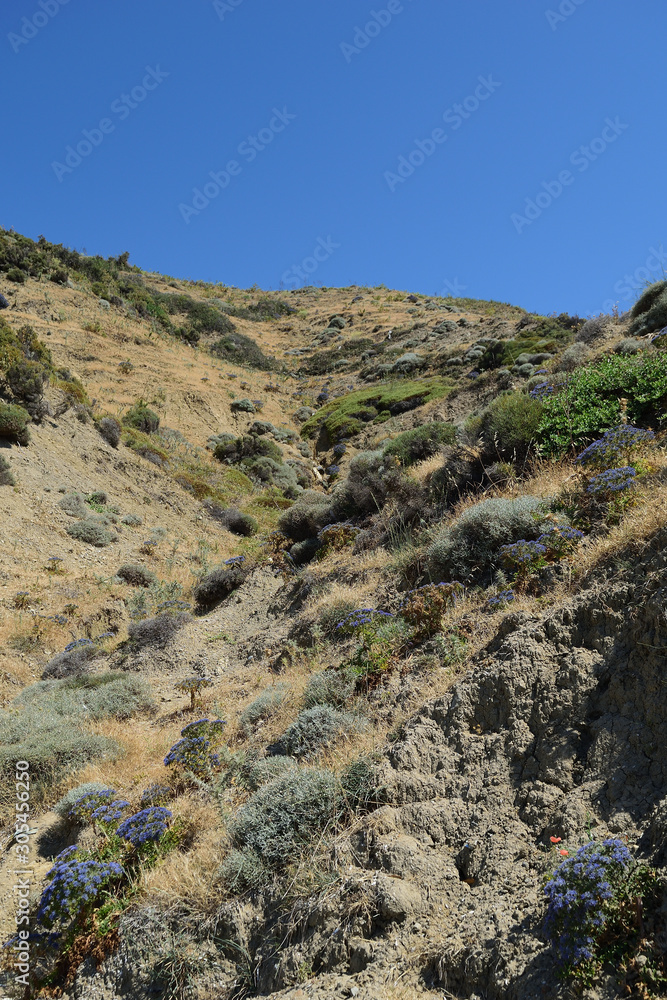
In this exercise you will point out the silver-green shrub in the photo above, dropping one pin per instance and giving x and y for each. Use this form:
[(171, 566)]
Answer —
[(329, 687), (282, 817), (264, 706), (314, 729), (468, 550)]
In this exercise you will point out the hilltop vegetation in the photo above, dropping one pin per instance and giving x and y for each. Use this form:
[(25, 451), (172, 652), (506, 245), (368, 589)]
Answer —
[(331, 632)]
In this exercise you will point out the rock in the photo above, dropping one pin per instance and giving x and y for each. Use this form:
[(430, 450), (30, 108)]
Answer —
[(397, 899)]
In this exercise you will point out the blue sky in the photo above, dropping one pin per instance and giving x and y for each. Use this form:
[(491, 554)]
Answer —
[(338, 96)]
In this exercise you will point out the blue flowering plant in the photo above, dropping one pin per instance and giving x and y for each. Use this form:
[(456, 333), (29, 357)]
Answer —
[(423, 607), (500, 600), (602, 908), (559, 540), (74, 885), (617, 446), (196, 752), (523, 558), (380, 637), (155, 795), (144, 829)]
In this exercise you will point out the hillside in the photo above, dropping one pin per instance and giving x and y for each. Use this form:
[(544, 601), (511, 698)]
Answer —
[(398, 563)]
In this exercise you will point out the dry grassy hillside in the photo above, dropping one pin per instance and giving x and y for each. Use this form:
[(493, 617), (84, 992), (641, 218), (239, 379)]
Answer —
[(352, 524)]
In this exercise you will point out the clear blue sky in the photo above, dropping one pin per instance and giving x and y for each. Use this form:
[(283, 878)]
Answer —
[(329, 173)]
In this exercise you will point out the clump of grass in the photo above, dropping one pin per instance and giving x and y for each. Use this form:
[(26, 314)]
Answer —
[(263, 707)]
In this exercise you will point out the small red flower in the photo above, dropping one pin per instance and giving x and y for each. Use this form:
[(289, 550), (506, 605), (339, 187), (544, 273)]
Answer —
[(564, 853), (555, 840)]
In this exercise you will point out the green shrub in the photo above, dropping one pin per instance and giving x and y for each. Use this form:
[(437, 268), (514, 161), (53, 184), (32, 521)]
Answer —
[(265, 308), (271, 473), (468, 550), (263, 707), (267, 769), (242, 870), (102, 696), (141, 418), (314, 729), (232, 449), (241, 350), (421, 442), (242, 406), (329, 687), (17, 275), (14, 423), (649, 313), (91, 532), (588, 401), (63, 806), (282, 817), (333, 613), (6, 477), (510, 424), (312, 512), (26, 381), (136, 575)]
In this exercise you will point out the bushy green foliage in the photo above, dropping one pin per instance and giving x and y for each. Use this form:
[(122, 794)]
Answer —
[(141, 418), (333, 613), (271, 473), (264, 706), (241, 350), (312, 512), (90, 531), (136, 575), (267, 769), (265, 308), (280, 820), (329, 687), (649, 313), (314, 729), (588, 401), (469, 549), (101, 696), (26, 381), (74, 504), (421, 442), (6, 477), (14, 423), (248, 446), (242, 870), (510, 424), (322, 362), (132, 520), (344, 417)]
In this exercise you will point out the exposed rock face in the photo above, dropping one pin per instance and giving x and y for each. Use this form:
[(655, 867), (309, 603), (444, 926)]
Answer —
[(560, 729)]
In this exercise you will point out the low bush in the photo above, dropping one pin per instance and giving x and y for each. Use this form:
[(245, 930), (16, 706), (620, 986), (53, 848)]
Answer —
[(312, 512), (102, 696), (141, 418), (421, 442), (510, 424), (329, 687), (90, 531), (469, 549), (136, 575), (267, 704), (588, 401), (592, 330), (649, 313), (14, 423), (232, 519), (26, 381), (241, 350), (280, 820), (157, 632), (51, 744), (110, 430), (132, 520), (74, 504), (243, 870), (6, 477), (314, 729), (572, 357), (333, 613), (71, 662), (272, 473), (219, 584), (267, 769), (63, 806), (228, 448)]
